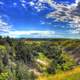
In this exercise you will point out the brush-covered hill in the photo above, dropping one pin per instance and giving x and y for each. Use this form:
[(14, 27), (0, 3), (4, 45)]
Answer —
[(27, 59)]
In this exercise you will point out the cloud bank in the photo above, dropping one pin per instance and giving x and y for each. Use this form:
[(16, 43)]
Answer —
[(30, 34), (67, 13)]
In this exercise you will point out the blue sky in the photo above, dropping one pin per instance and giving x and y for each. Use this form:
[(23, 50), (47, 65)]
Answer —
[(40, 18)]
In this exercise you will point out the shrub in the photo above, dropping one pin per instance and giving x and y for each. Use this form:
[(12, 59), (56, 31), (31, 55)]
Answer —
[(23, 73)]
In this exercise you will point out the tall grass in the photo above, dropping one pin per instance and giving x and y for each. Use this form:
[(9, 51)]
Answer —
[(73, 74)]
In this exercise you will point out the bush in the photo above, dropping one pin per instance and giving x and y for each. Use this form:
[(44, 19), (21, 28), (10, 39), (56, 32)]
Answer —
[(23, 73), (60, 60), (4, 76)]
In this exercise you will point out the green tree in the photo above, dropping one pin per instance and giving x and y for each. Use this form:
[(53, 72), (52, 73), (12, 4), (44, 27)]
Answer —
[(24, 52)]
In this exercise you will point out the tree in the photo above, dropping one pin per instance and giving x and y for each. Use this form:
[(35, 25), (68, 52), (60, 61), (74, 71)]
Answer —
[(9, 40), (0, 37), (60, 59), (24, 52)]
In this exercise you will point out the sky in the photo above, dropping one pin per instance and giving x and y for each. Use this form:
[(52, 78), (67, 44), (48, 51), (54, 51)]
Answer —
[(40, 18)]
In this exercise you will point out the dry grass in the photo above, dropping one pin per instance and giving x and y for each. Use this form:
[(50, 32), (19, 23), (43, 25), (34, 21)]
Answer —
[(68, 75)]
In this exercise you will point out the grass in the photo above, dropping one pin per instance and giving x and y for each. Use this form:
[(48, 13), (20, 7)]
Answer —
[(2, 47), (42, 57), (73, 74)]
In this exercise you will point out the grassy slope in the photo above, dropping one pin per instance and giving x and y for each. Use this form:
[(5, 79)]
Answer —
[(68, 75)]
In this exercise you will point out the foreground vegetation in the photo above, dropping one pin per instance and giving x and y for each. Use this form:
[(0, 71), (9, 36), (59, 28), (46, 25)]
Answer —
[(22, 59), (73, 74)]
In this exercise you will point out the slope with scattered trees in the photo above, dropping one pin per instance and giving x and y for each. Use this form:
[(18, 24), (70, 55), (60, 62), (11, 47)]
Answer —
[(22, 59)]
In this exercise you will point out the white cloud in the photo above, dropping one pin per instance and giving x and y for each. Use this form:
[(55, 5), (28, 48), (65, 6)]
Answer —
[(67, 13), (42, 22), (77, 1), (4, 26), (33, 34), (37, 34), (1, 3), (38, 5), (31, 3), (23, 3), (14, 4)]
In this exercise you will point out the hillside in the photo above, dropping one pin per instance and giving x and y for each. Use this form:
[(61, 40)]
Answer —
[(73, 74), (31, 59)]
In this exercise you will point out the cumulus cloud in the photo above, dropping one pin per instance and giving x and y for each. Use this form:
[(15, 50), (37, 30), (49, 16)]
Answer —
[(38, 5), (67, 13), (63, 12)]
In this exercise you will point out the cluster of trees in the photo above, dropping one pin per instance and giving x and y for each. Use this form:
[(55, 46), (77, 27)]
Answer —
[(18, 57), (13, 58)]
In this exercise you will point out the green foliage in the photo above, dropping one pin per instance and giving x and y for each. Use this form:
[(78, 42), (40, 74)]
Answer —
[(60, 60), (24, 52), (0, 37), (2, 50), (22, 72), (18, 57), (3, 55), (4, 76), (69, 62), (42, 57)]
